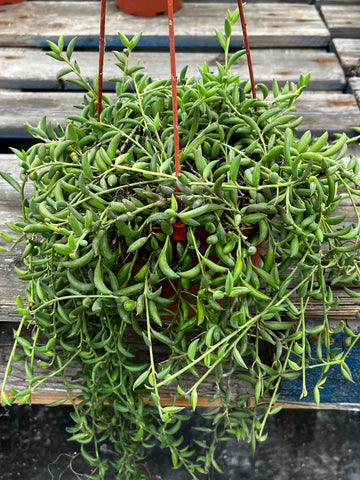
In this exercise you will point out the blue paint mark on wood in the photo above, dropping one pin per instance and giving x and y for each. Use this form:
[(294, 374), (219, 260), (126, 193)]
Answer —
[(336, 389)]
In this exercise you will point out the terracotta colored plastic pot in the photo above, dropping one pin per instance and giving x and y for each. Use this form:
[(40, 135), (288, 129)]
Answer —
[(192, 289), (145, 8), (3, 2)]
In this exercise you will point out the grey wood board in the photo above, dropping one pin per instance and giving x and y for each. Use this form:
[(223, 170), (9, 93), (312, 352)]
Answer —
[(355, 86), (330, 111), (269, 24), (53, 389), (282, 64), (337, 2), (343, 21), (348, 50)]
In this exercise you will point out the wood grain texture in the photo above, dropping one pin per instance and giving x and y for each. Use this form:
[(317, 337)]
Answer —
[(343, 21), (336, 2), (348, 50), (269, 25), (321, 110), (334, 112), (282, 64), (337, 392), (355, 86)]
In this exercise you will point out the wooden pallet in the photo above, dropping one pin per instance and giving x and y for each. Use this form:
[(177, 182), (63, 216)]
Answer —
[(342, 20), (348, 50), (288, 37)]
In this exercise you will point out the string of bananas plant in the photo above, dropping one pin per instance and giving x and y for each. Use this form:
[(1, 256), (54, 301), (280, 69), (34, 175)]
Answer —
[(111, 288)]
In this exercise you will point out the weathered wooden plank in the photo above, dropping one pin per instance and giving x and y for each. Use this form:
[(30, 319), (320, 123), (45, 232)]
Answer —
[(17, 108), (334, 112), (355, 86), (336, 2), (348, 50), (343, 21), (282, 64), (338, 393), (269, 24), (321, 110)]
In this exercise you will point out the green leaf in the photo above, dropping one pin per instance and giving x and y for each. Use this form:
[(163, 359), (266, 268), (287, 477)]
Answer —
[(5, 399), (55, 55), (258, 388), (192, 349), (70, 47), (174, 459), (13, 183), (294, 366), (209, 334), (140, 242), (277, 409), (135, 40), (81, 438), (57, 403), (235, 56), (53, 47), (229, 283), (125, 41), (61, 43), (346, 373), (63, 249), (235, 16), (23, 342), (194, 399), (227, 28), (8, 238), (238, 358), (63, 72), (275, 88), (221, 38), (141, 379), (215, 465), (317, 396)]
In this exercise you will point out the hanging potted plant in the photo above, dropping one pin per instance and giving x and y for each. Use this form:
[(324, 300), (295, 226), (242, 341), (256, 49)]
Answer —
[(146, 8), (145, 278)]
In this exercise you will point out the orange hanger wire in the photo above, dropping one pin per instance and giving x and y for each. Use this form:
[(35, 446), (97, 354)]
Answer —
[(101, 56), (247, 47), (174, 86)]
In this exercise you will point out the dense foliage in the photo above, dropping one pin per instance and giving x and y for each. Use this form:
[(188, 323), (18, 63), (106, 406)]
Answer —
[(111, 287)]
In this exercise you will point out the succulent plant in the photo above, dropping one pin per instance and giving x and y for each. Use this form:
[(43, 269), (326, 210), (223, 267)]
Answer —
[(149, 280)]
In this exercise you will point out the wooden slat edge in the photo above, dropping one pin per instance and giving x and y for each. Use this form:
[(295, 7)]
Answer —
[(48, 398)]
